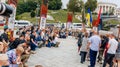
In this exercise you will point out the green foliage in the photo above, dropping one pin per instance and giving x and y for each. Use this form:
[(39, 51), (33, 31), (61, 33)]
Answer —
[(32, 14), (75, 5), (26, 7), (54, 4), (92, 4), (58, 15)]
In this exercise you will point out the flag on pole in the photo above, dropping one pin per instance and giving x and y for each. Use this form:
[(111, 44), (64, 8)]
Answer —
[(69, 20), (99, 16), (44, 10), (89, 18), (43, 16)]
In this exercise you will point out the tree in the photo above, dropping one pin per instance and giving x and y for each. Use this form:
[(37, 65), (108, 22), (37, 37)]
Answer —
[(91, 4), (32, 14), (54, 4), (26, 6), (75, 5)]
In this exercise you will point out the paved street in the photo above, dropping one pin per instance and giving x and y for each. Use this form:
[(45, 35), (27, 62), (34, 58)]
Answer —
[(64, 56)]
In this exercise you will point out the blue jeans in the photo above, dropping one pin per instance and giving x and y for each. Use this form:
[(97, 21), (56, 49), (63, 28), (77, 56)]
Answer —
[(49, 44), (93, 55), (33, 46)]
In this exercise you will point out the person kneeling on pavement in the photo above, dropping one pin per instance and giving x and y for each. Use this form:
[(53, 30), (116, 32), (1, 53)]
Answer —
[(55, 42), (14, 57), (26, 54)]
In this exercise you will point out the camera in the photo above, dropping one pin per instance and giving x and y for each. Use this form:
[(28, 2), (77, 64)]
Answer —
[(5, 10)]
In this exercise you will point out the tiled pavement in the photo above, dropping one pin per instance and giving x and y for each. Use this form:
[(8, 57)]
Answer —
[(65, 55)]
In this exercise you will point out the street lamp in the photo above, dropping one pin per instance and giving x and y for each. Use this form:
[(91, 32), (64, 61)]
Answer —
[(37, 12)]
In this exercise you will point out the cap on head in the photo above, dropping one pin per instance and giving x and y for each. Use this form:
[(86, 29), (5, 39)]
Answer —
[(5, 27)]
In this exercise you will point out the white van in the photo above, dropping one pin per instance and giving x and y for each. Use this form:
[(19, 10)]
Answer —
[(22, 23), (77, 26)]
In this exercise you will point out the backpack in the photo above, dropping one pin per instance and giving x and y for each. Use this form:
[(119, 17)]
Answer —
[(14, 44)]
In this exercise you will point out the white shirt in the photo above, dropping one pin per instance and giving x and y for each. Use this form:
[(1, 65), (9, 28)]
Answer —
[(113, 46), (55, 40), (84, 44), (42, 35), (95, 41)]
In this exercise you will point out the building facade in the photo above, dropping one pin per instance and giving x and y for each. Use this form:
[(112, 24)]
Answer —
[(106, 7), (118, 12), (2, 1)]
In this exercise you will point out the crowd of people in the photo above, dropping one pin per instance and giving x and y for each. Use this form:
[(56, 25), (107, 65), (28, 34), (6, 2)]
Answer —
[(29, 39), (94, 47), (104, 49)]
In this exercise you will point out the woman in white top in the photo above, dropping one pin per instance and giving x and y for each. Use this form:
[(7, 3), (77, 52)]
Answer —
[(83, 49)]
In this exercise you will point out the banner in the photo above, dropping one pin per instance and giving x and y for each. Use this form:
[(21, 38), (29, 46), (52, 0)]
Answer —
[(43, 22), (69, 25), (44, 10), (69, 21), (43, 16), (11, 20)]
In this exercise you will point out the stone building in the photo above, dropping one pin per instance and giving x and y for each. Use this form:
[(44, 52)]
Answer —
[(2, 1), (106, 7), (118, 12)]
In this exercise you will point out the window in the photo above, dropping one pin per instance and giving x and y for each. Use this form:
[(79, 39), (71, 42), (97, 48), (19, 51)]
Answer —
[(22, 23)]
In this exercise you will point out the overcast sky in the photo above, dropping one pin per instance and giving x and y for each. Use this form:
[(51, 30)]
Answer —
[(110, 1)]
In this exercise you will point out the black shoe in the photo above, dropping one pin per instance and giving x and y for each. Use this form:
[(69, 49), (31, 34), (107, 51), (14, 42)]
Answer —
[(81, 62)]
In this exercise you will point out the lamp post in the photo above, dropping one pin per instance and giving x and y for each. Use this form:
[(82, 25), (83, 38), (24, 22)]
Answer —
[(37, 12)]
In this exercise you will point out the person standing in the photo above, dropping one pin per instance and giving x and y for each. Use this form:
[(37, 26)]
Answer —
[(94, 45), (79, 42), (83, 50), (112, 47)]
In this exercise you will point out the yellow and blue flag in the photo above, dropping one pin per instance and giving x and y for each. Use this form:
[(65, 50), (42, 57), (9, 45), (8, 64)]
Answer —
[(89, 18)]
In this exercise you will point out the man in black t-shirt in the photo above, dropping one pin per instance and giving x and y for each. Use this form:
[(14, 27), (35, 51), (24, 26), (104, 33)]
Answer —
[(5, 38), (5, 35), (33, 44)]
